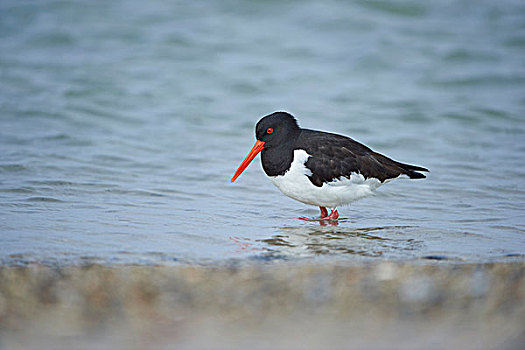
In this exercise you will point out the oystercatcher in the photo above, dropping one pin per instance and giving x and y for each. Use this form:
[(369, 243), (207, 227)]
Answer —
[(320, 168)]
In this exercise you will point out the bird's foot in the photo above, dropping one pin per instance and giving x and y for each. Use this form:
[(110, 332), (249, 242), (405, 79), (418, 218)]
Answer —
[(333, 215), (324, 213), (324, 216)]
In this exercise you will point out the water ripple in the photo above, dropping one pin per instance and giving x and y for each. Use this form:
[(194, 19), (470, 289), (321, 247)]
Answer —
[(118, 139)]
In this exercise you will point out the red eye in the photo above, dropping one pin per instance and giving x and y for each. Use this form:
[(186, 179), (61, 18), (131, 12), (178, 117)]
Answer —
[(269, 130)]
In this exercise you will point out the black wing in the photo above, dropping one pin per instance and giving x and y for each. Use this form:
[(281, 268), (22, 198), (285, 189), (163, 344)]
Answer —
[(334, 156)]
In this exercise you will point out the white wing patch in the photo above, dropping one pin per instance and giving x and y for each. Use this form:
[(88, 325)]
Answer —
[(295, 184)]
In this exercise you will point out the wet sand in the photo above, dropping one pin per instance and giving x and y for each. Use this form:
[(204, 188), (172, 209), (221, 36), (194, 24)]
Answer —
[(374, 306)]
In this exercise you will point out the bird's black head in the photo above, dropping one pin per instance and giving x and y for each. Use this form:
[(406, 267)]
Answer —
[(276, 128)]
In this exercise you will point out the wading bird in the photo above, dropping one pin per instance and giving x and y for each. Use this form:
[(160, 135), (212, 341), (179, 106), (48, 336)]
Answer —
[(320, 168)]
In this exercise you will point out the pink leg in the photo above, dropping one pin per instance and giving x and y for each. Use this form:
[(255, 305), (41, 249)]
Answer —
[(324, 212), (333, 215)]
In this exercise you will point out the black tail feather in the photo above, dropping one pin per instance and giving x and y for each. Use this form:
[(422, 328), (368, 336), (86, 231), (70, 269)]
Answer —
[(415, 175), (412, 170)]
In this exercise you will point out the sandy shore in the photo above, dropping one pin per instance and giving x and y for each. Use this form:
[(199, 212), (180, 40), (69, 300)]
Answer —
[(373, 306)]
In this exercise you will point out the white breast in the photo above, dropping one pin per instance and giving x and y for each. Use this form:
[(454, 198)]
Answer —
[(295, 184)]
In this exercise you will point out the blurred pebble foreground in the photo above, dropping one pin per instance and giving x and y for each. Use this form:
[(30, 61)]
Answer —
[(373, 306)]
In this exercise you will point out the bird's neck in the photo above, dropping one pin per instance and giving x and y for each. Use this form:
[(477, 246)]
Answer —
[(277, 160)]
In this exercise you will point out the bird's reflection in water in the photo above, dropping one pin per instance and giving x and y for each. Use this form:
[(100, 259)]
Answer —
[(389, 241)]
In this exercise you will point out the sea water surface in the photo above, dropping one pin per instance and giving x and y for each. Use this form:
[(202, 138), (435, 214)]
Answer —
[(122, 122)]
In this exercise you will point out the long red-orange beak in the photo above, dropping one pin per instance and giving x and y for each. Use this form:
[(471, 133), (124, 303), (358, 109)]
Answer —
[(259, 145)]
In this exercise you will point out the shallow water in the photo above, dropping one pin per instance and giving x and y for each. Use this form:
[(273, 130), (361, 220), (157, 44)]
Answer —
[(123, 121)]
